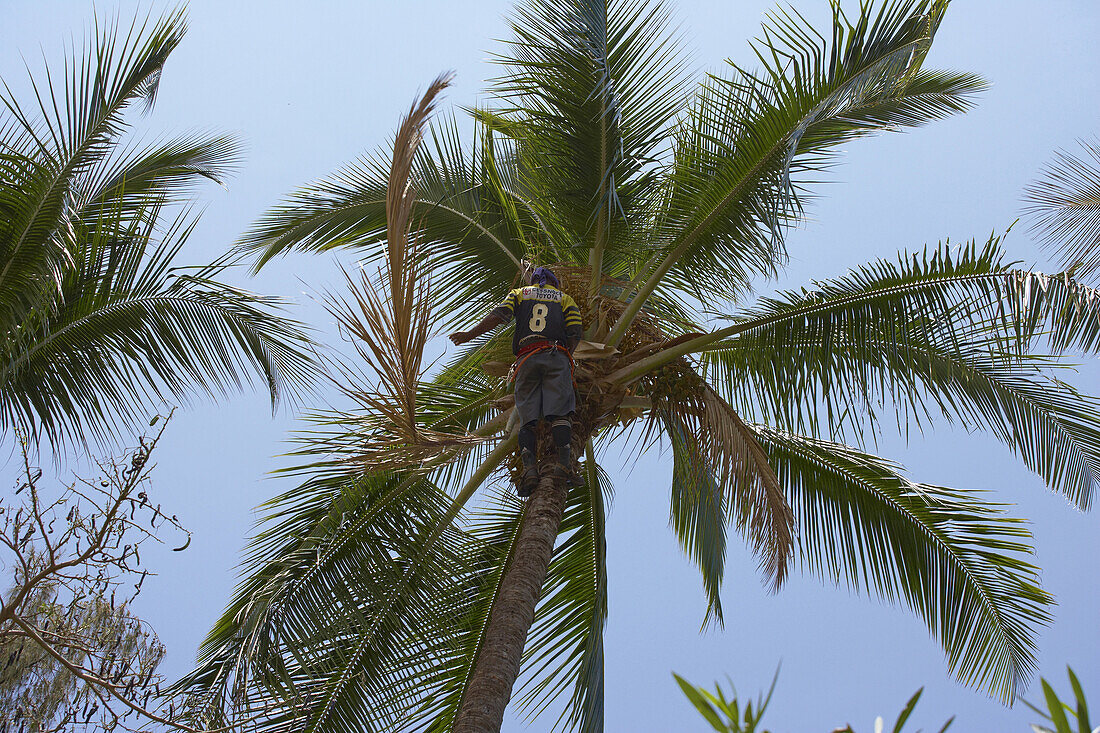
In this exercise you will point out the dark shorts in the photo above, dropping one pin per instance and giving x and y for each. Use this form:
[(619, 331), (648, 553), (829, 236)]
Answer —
[(544, 386)]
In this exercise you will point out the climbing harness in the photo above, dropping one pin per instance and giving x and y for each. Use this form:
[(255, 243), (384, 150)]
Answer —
[(529, 350)]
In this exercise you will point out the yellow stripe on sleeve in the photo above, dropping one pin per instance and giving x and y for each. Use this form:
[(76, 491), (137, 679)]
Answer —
[(510, 303)]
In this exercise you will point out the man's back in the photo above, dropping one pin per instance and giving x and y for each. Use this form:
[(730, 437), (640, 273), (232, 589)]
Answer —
[(541, 312)]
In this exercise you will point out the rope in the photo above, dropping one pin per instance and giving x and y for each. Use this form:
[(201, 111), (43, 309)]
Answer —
[(531, 349)]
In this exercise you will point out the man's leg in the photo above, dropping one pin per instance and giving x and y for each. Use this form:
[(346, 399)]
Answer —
[(529, 407), (528, 454), (558, 404), (561, 429)]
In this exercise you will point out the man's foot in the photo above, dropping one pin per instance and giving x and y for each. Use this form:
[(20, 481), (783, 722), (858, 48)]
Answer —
[(527, 482), (568, 474)]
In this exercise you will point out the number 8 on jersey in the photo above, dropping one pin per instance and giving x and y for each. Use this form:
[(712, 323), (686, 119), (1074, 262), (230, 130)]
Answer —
[(538, 318)]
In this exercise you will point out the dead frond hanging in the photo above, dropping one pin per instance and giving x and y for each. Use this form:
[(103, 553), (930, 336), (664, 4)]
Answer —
[(388, 317), (757, 503), (752, 498)]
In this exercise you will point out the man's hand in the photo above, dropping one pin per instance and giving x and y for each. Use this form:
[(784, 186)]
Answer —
[(488, 323)]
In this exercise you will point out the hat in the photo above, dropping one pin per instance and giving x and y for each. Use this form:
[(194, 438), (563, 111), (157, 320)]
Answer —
[(543, 276)]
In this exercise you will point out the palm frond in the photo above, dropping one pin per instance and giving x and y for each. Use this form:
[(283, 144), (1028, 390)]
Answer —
[(593, 86), (749, 141), (698, 511), (497, 529), (341, 623), (1064, 208), (958, 562), (98, 320), (134, 180), (467, 236), (390, 323), (127, 328), (720, 476), (51, 146), (952, 334)]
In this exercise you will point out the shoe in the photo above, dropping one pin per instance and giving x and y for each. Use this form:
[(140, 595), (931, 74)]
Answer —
[(565, 468), (527, 482), (567, 474)]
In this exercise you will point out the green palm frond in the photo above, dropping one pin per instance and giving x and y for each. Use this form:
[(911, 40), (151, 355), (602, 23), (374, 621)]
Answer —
[(497, 529), (100, 321), (720, 476), (749, 141), (870, 71), (462, 397), (593, 86), (957, 561), (698, 512), (340, 622), (1064, 208), (127, 329), (52, 145), (416, 617), (135, 179), (952, 334)]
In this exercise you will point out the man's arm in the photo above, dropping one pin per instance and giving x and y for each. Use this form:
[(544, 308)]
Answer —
[(488, 323), (498, 317), (573, 326)]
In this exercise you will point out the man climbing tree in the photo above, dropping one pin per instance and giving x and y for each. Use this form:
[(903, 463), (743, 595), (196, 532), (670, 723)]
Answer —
[(548, 327)]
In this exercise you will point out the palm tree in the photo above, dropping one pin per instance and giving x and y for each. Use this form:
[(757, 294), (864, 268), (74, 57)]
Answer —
[(379, 597), (1064, 208), (99, 322)]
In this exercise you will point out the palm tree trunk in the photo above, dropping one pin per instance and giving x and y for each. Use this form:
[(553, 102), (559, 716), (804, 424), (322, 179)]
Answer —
[(497, 667)]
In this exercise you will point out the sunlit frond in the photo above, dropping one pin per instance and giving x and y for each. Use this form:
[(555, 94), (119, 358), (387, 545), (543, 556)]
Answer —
[(952, 334), (956, 560), (1064, 208), (750, 142), (593, 86)]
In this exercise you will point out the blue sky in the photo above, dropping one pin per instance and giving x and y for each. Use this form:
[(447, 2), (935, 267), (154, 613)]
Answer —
[(310, 86)]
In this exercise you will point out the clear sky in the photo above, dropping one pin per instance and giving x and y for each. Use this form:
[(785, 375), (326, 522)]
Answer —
[(310, 86)]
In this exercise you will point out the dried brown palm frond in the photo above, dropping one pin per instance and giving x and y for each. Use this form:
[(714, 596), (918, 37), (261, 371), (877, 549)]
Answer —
[(392, 437), (389, 317), (752, 498), (742, 467)]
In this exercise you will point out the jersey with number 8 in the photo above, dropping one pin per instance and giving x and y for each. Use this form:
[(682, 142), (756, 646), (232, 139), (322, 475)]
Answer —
[(538, 318), (541, 312)]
